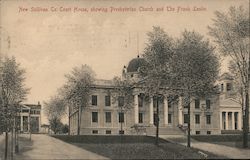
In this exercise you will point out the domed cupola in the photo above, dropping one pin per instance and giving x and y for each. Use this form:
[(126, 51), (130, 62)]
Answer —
[(135, 64)]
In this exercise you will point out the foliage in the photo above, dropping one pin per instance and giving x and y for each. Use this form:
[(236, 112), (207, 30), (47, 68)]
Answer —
[(186, 67), (56, 125), (194, 66), (13, 91), (231, 32), (122, 92), (65, 128), (77, 89), (122, 96), (54, 109), (158, 54)]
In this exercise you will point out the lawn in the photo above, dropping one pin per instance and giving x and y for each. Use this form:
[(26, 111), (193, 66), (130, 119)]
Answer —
[(144, 151), (23, 142), (134, 147), (227, 140), (236, 144)]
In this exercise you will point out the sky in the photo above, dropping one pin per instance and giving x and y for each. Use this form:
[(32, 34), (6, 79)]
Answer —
[(49, 38)]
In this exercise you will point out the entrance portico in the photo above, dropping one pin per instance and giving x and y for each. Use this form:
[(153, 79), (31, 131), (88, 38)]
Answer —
[(230, 120)]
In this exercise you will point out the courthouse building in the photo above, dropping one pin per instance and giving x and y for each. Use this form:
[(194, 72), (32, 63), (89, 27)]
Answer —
[(216, 114)]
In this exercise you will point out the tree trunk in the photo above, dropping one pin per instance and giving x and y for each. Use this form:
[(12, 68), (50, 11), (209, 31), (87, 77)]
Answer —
[(12, 145), (69, 122), (79, 120), (157, 121), (246, 122), (188, 136), (246, 117), (6, 145)]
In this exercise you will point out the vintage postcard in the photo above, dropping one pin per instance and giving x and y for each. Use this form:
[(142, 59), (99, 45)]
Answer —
[(113, 79)]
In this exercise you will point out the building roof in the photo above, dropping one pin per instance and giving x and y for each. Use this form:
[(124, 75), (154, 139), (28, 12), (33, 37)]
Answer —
[(226, 76), (229, 102), (103, 82), (33, 106), (135, 63)]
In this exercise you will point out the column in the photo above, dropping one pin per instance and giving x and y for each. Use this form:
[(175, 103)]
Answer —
[(226, 120), (239, 121), (221, 122), (180, 116), (21, 123), (233, 121), (151, 111), (136, 109), (165, 110)]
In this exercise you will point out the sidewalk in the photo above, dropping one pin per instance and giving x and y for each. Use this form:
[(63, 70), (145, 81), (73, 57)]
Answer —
[(222, 150), (46, 147)]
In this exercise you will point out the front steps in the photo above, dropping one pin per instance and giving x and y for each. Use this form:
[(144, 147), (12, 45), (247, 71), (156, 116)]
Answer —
[(164, 131)]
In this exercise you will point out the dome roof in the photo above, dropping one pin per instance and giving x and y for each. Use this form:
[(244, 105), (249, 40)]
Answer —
[(135, 63)]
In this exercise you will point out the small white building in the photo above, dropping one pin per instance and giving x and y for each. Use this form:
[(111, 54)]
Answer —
[(30, 118)]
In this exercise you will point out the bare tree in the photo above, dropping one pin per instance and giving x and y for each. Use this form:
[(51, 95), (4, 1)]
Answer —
[(77, 90), (231, 32)]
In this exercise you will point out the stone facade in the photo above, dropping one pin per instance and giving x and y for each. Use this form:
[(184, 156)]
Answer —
[(208, 116)]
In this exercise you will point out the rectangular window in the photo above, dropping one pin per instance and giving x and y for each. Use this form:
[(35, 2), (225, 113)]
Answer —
[(94, 131), (197, 132), (121, 117), (154, 102), (95, 117), (169, 104), (108, 131), (25, 111), (197, 119), (107, 100), (108, 117), (208, 132), (140, 117), (208, 117), (140, 100), (94, 100), (229, 86), (197, 103), (169, 118), (185, 118), (208, 102), (120, 101), (155, 119), (186, 105)]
